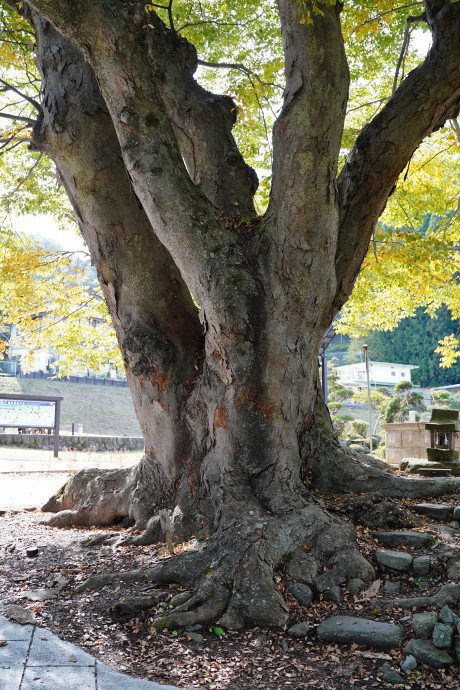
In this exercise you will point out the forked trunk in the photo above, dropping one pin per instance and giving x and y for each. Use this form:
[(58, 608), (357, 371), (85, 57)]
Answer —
[(227, 394)]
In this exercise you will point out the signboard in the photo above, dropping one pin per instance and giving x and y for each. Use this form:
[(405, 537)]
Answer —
[(31, 412), (27, 413)]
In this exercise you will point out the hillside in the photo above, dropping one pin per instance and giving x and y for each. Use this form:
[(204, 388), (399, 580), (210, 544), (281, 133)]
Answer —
[(101, 410)]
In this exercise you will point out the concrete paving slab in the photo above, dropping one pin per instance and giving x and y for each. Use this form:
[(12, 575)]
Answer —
[(49, 663), (108, 679), (10, 678), (48, 650), (58, 678), (14, 654), (13, 631)]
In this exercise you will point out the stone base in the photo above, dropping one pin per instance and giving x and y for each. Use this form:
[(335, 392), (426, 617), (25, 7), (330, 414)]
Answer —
[(413, 465)]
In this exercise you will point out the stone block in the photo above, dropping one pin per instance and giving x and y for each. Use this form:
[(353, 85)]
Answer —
[(407, 538), (421, 565), (443, 636), (436, 511), (394, 560), (424, 623), (428, 654), (13, 654), (350, 630)]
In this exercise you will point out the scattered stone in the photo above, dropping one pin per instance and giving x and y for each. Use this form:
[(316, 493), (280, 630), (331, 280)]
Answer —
[(457, 648), (20, 615), (428, 654), (390, 675), (284, 645), (405, 619), (259, 641), (41, 594), (299, 630), (301, 592), (424, 623), (421, 565), (333, 594), (448, 616), (350, 630), (32, 552), (332, 578), (195, 628), (448, 595), (72, 658), (395, 560), (443, 636), (456, 513), (416, 539), (455, 524), (195, 637), (180, 598), (356, 585), (453, 570), (391, 587), (409, 663), (436, 511)]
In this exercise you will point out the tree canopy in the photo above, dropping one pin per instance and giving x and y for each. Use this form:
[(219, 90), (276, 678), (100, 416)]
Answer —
[(413, 259)]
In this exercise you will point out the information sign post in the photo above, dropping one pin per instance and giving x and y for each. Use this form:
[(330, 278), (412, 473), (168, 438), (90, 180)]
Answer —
[(31, 412)]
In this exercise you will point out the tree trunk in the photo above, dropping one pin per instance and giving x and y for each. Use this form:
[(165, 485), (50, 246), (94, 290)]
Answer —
[(228, 396)]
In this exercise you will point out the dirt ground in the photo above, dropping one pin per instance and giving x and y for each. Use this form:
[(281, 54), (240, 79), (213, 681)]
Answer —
[(245, 660)]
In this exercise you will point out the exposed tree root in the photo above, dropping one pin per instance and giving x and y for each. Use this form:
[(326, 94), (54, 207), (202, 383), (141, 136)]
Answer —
[(94, 497), (233, 572)]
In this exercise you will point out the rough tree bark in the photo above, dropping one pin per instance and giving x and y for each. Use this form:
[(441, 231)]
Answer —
[(228, 396)]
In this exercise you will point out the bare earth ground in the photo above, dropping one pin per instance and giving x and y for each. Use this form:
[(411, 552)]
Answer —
[(244, 660)]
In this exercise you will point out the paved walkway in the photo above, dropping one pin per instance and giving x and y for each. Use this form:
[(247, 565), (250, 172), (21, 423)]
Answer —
[(8, 465), (35, 659)]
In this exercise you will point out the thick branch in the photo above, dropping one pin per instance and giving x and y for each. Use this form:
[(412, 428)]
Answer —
[(19, 118), (428, 97), (307, 134), (144, 291)]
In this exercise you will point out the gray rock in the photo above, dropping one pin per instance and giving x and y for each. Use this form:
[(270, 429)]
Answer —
[(409, 663), (356, 585), (424, 623), (457, 648), (391, 587), (437, 511), (349, 630), (42, 594), (301, 592), (259, 641), (302, 567), (448, 595), (443, 636), (390, 675), (428, 654), (180, 598), (456, 513), (453, 570), (395, 560), (333, 594), (333, 577), (195, 628), (195, 637), (421, 565), (448, 616), (299, 630), (455, 524), (20, 615), (416, 539)]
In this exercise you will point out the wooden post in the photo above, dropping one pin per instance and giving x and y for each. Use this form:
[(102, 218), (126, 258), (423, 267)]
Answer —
[(165, 523), (57, 417)]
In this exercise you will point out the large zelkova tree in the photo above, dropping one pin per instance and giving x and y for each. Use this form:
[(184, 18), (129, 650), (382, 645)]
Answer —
[(220, 310)]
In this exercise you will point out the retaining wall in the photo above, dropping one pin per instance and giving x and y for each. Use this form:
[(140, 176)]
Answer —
[(94, 443)]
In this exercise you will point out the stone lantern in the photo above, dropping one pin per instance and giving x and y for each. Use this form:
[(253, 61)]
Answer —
[(444, 428)]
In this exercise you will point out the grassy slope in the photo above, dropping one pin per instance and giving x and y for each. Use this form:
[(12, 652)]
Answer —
[(101, 409)]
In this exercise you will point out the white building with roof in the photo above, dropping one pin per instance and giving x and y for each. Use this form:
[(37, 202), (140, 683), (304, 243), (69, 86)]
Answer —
[(386, 374)]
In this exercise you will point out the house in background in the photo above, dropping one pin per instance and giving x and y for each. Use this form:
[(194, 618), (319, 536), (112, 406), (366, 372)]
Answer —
[(353, 376)]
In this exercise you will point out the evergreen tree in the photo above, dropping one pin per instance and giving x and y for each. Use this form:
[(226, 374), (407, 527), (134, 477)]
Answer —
[(414, 342)]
